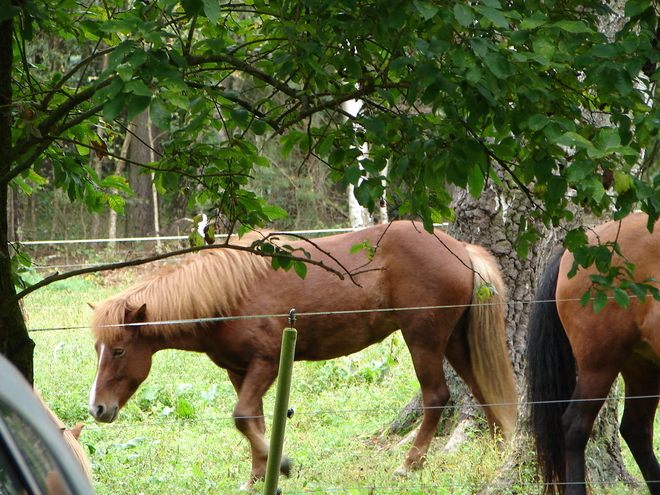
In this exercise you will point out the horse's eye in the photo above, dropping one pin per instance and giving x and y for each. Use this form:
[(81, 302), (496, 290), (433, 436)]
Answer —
[(117, 352)]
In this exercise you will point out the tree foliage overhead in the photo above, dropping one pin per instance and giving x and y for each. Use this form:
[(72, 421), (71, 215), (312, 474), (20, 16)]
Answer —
[(450, 90)]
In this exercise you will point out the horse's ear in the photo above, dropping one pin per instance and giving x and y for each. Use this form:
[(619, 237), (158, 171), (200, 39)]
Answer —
[(136, 316), (91, 306), (75, 431)]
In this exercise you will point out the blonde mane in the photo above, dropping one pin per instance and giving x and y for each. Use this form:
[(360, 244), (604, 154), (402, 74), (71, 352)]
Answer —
[(208, 284)]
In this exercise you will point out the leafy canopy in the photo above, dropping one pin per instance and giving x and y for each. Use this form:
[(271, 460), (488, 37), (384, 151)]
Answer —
[(452, 92)]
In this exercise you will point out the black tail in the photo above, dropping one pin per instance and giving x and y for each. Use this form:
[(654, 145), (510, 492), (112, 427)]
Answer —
[(550, 377)]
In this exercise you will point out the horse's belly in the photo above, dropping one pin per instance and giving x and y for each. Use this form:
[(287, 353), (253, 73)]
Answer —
[(316, 343)]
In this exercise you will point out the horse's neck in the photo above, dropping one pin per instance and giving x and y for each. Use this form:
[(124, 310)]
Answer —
[(187, 341)]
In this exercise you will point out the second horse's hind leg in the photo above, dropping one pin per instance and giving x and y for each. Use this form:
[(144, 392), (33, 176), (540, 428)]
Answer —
[(642, 379), (590, 393), (435, 394)]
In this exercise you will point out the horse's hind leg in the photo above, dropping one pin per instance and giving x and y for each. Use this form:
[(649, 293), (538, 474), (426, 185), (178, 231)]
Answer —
[(427, 359), (642, 379), (591, 390), (458, 355)]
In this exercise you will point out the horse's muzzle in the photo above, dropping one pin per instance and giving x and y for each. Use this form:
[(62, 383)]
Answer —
[(104, 414)]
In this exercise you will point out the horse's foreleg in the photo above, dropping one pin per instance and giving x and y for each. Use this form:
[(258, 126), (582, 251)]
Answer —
[(642, 379), (249, 418)]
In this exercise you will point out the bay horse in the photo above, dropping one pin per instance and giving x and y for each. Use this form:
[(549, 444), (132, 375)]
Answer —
[(574, 355), (434, 275)]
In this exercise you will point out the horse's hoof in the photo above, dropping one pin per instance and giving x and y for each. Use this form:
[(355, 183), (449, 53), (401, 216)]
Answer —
[(285, 467), (248, 487), (403, 471)]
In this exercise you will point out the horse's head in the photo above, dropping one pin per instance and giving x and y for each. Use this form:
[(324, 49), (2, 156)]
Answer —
[(123, 364)]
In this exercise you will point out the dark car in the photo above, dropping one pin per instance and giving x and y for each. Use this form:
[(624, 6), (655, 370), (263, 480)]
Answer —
[(34, 458)]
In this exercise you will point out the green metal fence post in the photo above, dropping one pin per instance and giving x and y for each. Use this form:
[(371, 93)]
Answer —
[(281, 404)]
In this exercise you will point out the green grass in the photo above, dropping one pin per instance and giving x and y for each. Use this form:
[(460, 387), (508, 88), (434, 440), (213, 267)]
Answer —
[(176, 434)]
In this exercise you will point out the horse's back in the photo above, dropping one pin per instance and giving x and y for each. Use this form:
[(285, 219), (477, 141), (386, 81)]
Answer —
[(401, 266)]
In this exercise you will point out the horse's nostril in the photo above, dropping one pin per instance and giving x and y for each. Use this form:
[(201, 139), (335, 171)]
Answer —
[(100, 409)]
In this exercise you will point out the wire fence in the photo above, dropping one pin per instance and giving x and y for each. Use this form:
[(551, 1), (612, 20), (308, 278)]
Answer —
[(329, 313)]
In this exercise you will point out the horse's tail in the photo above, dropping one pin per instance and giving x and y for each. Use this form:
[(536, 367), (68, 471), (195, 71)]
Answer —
[(550, 379), (486, 335)]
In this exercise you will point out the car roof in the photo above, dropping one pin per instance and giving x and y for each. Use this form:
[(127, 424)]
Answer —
[(17, 395)]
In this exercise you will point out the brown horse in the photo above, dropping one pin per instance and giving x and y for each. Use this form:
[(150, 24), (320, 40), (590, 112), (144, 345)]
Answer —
[(408, 268), (566, 338)]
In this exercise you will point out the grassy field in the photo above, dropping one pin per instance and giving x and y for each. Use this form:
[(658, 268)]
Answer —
[(176, 434)]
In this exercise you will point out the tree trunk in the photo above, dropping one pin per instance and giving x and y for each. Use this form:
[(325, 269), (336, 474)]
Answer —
[(140, 214), (14, 340)]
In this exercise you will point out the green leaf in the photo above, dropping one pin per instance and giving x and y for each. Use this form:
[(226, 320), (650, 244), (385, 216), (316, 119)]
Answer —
[(486, 291), (137, 87), (427, 10), (575, 238), (476, 181), (574, 139), (300, 267), (212, 10), (160, 114), (9, 11), (622, 182), (639, 291), (464, 14), (530, 23), (116, 203), (621, 297), (586, 297), (125, 72), (274, 212), (195, 240), (575, 27), (137, 105), (493, 15), (605, 51), (538, 121), (113, 107), (635, 7), (600, 301), (184, 409), (579, 170), (498, 64), (607, 138), (259, 127)]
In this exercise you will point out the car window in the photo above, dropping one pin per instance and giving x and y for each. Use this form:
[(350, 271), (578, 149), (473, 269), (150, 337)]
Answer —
[(23, 447)]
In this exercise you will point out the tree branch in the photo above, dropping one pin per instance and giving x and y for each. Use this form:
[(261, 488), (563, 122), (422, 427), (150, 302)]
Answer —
[(41, 145), (124, 264)]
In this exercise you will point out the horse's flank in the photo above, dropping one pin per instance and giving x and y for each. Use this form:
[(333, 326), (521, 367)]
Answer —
[(208, 284)]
